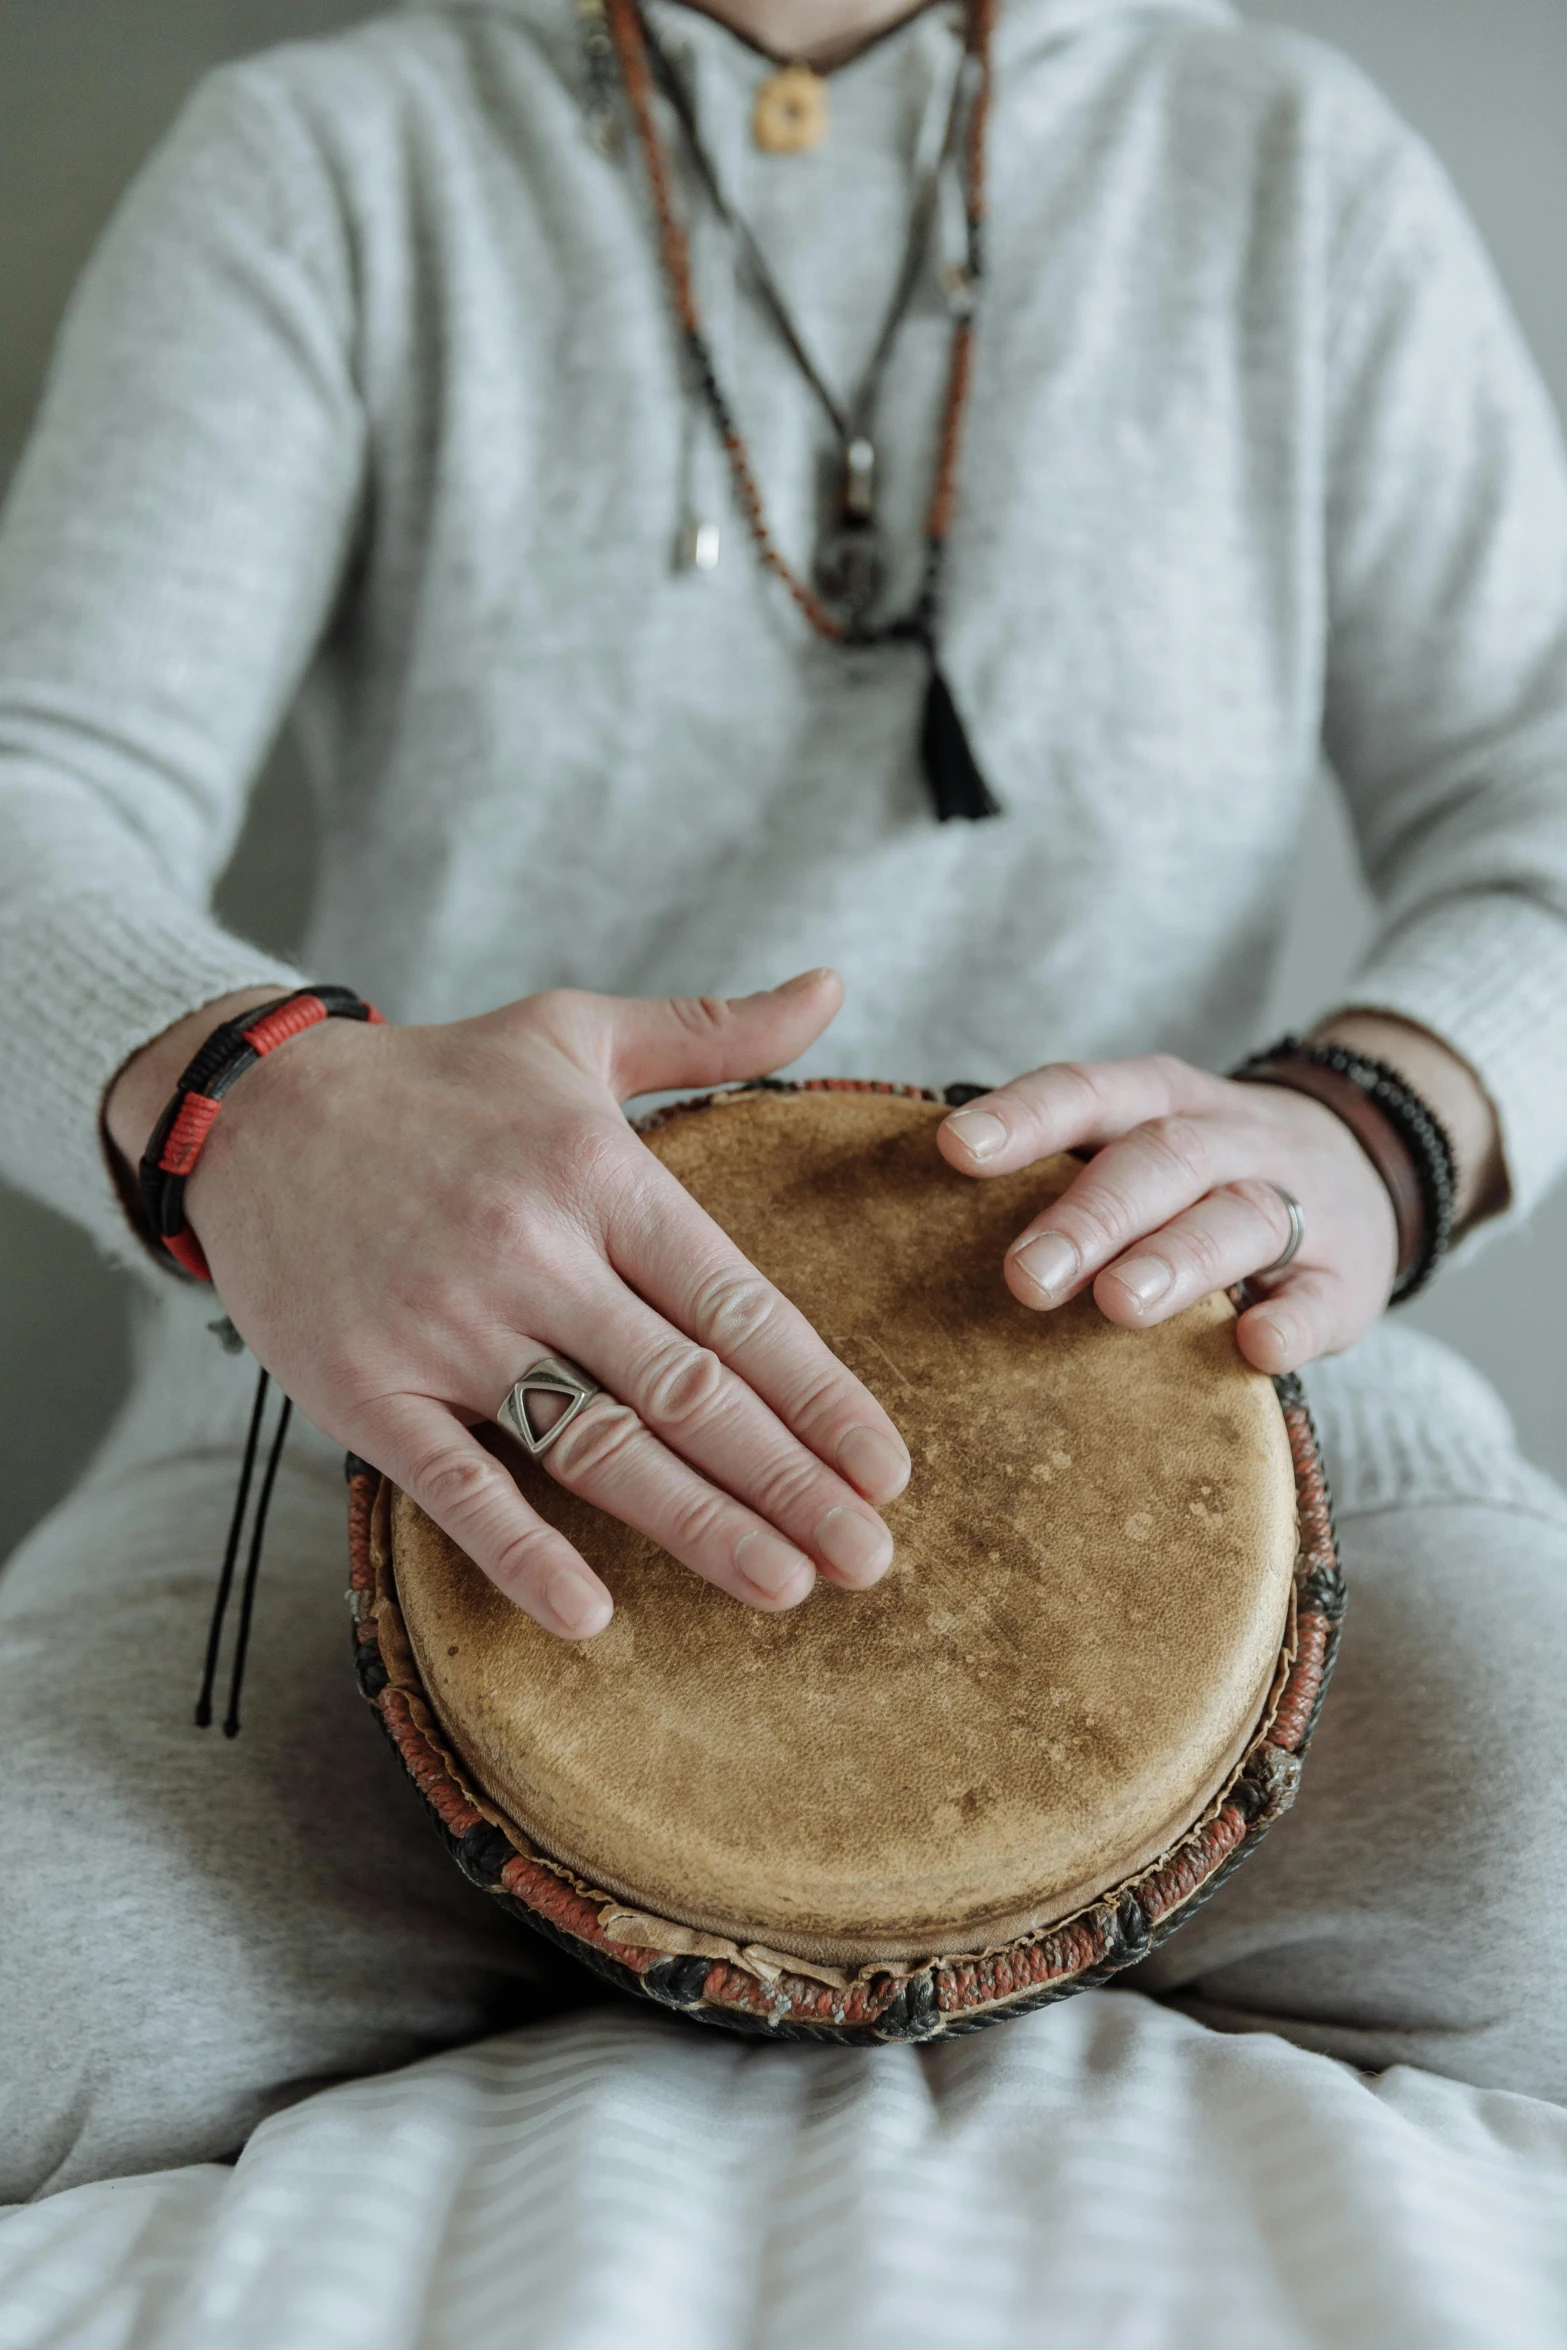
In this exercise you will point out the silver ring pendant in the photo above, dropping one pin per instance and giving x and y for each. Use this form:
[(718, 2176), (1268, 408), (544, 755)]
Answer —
[(551, 1375), (1297, 1217)]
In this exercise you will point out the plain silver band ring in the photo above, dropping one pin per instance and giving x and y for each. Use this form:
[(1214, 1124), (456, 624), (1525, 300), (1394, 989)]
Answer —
[(1297, 1217), (550, 1375)]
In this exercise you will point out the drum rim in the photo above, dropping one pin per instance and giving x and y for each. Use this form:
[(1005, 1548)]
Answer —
[(760, 1990)]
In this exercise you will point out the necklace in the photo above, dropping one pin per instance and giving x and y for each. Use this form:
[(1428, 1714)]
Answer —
[(849, 565)]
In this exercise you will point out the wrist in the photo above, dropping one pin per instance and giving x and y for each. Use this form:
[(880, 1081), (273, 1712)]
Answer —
[(1454, 1092), (1394, 1126), (139, 1094), (228, 1051)]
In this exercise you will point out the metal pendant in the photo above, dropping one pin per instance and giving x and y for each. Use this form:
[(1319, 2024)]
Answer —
[(850, 567), (851, 559)]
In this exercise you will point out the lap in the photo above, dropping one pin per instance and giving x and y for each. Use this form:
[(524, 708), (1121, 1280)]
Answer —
[(1412, 1907), (201, 1930)]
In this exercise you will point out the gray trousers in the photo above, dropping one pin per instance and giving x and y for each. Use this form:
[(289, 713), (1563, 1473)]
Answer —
[(196, 1932)]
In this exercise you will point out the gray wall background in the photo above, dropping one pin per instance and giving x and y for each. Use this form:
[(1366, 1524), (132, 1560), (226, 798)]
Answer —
[(86, 86)]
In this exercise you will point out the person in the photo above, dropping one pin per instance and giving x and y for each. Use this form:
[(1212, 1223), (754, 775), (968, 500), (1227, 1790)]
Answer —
[(446, 379)]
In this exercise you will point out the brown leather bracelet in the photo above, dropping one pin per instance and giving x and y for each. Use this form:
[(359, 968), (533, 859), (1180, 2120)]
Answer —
[(1381, 1142)]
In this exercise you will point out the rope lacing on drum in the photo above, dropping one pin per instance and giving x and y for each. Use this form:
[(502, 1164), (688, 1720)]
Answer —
[(247, 1605)]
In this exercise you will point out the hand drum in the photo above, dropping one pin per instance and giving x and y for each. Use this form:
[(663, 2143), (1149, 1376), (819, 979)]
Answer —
[(1075, 1703)]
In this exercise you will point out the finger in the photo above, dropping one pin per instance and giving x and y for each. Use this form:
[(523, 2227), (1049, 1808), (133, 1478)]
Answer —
[(679, 1260), (1133, 1186), (715, 1040), (1310, 1314), (433, 1457), (609, 1458), (1066, 1106), (1228, 1235), (712, 1419)]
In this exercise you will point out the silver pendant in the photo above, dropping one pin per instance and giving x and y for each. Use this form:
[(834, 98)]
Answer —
[(701, 544), (850, 558)]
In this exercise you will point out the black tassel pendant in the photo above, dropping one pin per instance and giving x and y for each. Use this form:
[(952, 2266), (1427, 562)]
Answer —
[(956, 784)]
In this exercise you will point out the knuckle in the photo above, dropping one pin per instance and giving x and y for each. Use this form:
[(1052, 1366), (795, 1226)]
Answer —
[(591, 1171), (524, 1558), (733, 1306), (454, 1482), (701, 1015), (1085, 1076), (695, 1520), (1182, 1144), (500, 1222), (559, 1010), (681, 1383), (1102, 1219), (785, 1488), (1201, 1252), (1261, 1198), (595, 1444)]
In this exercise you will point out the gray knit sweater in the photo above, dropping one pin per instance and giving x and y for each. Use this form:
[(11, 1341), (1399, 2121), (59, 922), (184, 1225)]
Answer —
[(371, 400)]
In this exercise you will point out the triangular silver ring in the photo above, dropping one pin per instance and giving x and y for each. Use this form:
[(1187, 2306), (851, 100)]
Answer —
[(550, 1375)]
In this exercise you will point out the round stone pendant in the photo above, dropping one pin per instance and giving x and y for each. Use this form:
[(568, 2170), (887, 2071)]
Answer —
[(790, 113)]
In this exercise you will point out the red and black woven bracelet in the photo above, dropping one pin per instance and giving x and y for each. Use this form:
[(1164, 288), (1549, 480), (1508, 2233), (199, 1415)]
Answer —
[(181, 1133)]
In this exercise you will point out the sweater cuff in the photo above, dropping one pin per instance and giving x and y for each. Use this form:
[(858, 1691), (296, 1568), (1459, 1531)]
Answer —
[(85, 998), (1488, 975)]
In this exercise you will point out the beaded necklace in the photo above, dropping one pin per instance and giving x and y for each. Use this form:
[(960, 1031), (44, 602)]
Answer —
[(849, 566)]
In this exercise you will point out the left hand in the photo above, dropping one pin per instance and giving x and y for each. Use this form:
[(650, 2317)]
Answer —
[(1179, 1200)]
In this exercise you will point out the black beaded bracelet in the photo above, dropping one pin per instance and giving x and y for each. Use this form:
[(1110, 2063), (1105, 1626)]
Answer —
[(1420, 1171), (181, 1133)]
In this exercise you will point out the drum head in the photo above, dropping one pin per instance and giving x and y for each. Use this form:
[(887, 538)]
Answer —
[(1080, 1637)]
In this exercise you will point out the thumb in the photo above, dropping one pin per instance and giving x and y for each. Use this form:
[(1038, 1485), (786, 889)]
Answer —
[(713, 1040)]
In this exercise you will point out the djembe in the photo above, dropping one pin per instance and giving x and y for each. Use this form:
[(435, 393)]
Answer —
[(1075, 1703)]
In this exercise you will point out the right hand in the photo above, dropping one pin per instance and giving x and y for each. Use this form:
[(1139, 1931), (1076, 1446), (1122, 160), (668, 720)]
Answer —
[(400, 1221)]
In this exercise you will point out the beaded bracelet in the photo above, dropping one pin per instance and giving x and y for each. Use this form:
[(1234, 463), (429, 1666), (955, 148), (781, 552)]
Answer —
[(1398, 1131), (181, 1133)]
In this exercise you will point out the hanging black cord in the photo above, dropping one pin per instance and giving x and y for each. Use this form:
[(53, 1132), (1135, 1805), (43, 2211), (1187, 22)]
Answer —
[(253, 1571), (850, 421), (226, 1579), (258, 1537)]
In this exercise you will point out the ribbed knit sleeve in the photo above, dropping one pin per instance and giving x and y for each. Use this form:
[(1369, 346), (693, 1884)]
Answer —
[(169, 555), (1447, 669)]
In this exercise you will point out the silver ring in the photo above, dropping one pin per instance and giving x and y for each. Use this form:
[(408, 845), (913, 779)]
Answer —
[(1297, 1217), (550, 1375)]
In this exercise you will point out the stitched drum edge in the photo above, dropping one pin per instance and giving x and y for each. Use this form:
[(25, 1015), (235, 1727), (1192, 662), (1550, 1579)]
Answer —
[(949, 1995)]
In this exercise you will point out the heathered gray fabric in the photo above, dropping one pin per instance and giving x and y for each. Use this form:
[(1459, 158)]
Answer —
[(197, 1933), (379, 348), (373, 391)]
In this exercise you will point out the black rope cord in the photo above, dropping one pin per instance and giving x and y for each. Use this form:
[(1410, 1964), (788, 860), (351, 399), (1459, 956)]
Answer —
[(225, 1590)]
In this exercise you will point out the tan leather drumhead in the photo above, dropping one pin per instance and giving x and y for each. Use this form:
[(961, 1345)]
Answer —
[(1060, 1672)]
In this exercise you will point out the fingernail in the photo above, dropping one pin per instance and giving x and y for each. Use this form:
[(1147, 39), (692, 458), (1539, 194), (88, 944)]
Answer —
[(775, 1568), (579, 1607), (805, 979), (878, 1465), (857, 1546), (980, 1134), (1145, 1278), (1050, 1262)]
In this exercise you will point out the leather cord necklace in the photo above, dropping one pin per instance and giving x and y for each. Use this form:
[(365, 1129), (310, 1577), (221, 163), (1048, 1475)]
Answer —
[(837, 602)]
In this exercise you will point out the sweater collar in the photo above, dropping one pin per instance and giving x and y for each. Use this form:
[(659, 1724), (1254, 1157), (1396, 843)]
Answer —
[(1024, 24)]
